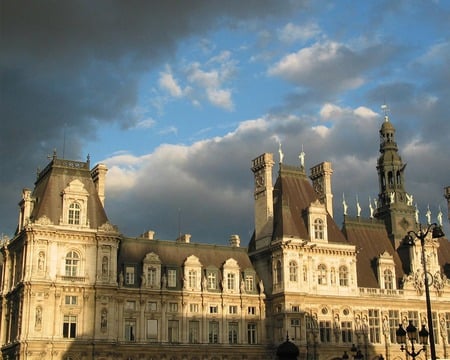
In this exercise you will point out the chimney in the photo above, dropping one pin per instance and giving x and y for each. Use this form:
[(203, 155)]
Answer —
[(149, 234), (98, 174), (185, 239), (321, 180), (235, 241), (263, 194)]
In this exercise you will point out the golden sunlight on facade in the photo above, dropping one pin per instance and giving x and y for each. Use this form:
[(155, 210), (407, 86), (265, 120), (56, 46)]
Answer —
[(74, 288)]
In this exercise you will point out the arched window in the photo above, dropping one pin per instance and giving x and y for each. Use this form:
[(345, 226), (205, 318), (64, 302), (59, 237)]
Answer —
[(343, 276), (318, 229), (388, 279), (277, 272), (72, 263), (74, 214), (390, 178), (322, 274), (293, 271)]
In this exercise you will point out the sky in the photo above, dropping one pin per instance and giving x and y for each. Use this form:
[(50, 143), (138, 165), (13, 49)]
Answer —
[(177, 98)]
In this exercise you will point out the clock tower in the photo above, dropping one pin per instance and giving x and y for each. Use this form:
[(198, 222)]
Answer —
[(263, 193), (394, 205)]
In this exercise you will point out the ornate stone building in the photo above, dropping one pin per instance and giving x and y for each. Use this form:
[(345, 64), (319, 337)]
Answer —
[(74, 288)]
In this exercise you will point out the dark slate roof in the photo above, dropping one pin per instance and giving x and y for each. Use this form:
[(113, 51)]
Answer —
[(293, 194), (444, 256), (173, 253), (53, 180), (371, 240)]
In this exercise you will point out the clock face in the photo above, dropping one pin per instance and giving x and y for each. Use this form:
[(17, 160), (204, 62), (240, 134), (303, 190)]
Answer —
[(318, 187), (259, 180)]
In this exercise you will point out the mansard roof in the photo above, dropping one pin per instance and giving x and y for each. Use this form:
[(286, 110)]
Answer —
[(371, 240), (174, 253), (51, 182), (293, 194)]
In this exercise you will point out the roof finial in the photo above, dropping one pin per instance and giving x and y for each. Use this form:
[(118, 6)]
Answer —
[(385, 109)]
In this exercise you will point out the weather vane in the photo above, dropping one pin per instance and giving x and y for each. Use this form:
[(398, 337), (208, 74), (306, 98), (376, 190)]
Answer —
[(385, 109)]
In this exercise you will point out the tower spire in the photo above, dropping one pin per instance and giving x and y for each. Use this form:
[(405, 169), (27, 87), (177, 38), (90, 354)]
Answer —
[(394, 205)]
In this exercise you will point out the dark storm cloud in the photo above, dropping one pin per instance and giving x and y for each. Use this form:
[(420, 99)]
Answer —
[(69, 66)]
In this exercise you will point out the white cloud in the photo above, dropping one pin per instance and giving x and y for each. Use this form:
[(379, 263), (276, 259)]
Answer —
[(291, 33), (145, 124), (167, 82), (220, 98), (169, 130)]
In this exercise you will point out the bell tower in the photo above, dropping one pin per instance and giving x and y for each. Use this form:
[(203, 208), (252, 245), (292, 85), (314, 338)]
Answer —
[(394, 205)]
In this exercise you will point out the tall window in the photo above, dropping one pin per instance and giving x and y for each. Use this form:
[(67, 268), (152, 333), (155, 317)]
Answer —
[(171, 278), (343, 276), (305, 273), (447, 325), (293, 271), (192, 278), (278, 273), (151, 276), (346, 331), (233, 329), (212, 281), (213, 335), (130, 329), (322, 274), (318, 229), (231, 279), (249, 283), (72, 263), (388, 279), (129, 275), (394, 321), (374, 325), (172, 331), (251, 333), (70, 326), (194, 331), (325, 331), (74, 214)]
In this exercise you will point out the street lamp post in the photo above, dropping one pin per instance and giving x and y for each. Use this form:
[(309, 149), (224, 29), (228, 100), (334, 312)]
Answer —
[(421, 235), (411, 331)]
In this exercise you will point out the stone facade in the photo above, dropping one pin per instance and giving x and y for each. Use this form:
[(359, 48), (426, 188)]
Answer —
[(74, 288)]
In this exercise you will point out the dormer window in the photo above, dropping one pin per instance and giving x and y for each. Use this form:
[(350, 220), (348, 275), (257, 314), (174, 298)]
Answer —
[(317, 222), (388, 279), (151, 271), (74, 214), (318, 229), (386, 271), (74, 204), (192, 273), (230, 275)]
